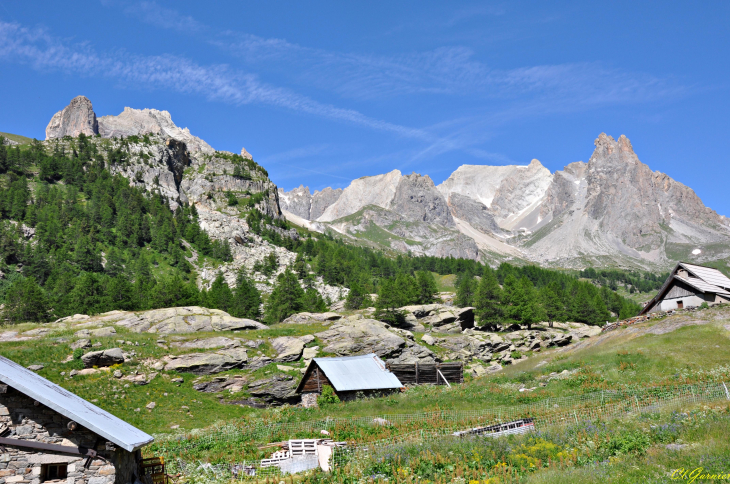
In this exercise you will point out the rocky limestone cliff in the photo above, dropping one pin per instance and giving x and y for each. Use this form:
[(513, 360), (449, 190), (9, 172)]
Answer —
[(76, 118), (613, 210), (302, 203), (515, 201), (149, 121), (417, 199), (376, 190), (474, 212)]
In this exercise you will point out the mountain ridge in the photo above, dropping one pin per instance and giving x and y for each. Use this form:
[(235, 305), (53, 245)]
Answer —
[(612, 210)]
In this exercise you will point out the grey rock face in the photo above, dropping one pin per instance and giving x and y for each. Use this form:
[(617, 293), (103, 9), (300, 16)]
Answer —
[(149, 121), (473, 212), (108, 357), (417, 199), (321, 201), (208, 363), (76, 118), (209, 343), (298, 201), (276, 390), (302, 203), (288, 348)]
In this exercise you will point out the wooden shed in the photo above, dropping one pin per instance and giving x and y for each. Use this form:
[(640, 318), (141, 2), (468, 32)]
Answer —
[(48, 434), (348, 376)]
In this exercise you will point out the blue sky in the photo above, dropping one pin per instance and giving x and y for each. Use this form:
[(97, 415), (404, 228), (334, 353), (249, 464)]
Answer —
[(324, 92)]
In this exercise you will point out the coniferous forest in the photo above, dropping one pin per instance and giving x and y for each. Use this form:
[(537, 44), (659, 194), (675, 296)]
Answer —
[(76, 239)]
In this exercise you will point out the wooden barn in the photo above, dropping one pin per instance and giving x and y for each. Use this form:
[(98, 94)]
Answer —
[(348, 376), (48, 434), (690, 285)]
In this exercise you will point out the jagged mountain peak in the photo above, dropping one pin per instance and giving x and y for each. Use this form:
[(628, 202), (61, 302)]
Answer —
[(79, 117), (76, 118)]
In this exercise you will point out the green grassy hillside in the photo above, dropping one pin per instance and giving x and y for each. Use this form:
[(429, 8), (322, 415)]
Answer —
[(17, 138)]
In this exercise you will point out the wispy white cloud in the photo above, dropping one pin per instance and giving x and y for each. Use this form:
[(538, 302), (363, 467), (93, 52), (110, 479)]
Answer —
[(155, 14), (216, 82)]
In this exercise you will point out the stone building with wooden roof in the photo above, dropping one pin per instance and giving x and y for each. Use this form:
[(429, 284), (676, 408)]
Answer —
[(348, 376), (690, 285), (48, 434)]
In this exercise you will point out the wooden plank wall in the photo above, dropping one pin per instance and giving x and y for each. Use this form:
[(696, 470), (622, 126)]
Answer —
[(420, 373), (314, 380)]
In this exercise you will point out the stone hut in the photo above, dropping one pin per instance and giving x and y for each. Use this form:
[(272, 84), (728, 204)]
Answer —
[(48, 434), (348, 376), (690, 285)]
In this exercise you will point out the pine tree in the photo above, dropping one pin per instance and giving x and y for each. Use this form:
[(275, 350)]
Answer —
[(355, 297), (246, 298), (406, 289), (285, 299), (114, 263), (552, 302), (427, 288), (488, 298), (25, 301), (466, 290), (313, 302), (220, 295), (388, 302)]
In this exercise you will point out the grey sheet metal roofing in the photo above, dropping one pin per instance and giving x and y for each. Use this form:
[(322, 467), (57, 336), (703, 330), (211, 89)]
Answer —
[(708, 274), (72, 406), (366, 372), (702, 286)]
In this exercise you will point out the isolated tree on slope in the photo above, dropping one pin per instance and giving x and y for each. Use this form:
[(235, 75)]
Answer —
[(286, 298), (488, 299), (426, 287), (246, 298), (466, 290), (386, 307)]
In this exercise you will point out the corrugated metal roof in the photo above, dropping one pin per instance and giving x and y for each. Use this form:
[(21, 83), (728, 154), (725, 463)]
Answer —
[(708, 274), (366, 372), (72, 406), (702, 285)]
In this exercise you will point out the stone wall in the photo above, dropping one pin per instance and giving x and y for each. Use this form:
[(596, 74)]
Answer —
[(27, 421), (309, 400)]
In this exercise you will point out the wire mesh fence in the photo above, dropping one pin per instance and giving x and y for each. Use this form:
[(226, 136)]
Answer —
[(430, 426)]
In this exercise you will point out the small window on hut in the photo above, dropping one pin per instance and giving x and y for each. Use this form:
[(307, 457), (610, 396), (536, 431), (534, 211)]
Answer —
[(51, 472)]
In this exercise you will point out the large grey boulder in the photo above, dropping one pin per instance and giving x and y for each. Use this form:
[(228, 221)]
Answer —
[(209, 343), (108, 357), (288, 348), (276, 390), (208, 363), (76, 118), (356, 337), (178, 320)]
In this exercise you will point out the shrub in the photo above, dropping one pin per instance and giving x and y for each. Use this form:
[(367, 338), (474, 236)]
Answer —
[(328, 396), (78, 353), (704, 305)]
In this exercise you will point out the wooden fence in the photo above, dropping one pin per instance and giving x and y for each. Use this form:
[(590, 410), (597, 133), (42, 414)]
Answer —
[(434, 373)]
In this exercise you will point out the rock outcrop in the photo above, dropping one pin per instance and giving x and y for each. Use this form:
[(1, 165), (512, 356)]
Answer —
[(76, 118), (139, 122), (179, 320), (208, 363)]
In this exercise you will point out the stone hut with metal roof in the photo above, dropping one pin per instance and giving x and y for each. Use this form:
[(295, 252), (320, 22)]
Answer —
[(48, 434), (690, 285), (349, 377)]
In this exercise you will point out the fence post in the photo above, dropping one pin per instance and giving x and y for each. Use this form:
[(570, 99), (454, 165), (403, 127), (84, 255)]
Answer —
[(727, 394)]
